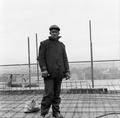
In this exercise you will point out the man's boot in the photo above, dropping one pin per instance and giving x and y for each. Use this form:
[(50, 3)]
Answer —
[(58, 115), (42, 116), (45, 116)]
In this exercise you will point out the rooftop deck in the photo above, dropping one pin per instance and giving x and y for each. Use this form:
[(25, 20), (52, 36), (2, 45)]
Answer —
[(72, 105)]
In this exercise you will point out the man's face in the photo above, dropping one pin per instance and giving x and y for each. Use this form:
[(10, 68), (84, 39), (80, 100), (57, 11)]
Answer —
[(54, 33)]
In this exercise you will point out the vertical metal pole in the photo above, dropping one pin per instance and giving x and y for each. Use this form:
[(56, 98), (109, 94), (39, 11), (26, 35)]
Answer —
[(91, 52), (29, 63), (36, 57)]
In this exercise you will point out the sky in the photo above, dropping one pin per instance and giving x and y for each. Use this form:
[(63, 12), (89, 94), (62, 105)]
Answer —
[(20, 19)]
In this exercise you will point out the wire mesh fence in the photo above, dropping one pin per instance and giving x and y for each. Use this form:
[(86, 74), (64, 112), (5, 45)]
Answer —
[(106, 75)]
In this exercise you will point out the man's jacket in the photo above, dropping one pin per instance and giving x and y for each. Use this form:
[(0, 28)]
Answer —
[(53, 57)]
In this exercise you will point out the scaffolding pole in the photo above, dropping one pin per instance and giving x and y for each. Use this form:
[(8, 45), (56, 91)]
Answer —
[(91, 52), (29, 63), (37, 57)]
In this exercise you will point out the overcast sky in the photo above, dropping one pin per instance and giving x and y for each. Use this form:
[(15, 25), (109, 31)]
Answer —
[(22, 18)]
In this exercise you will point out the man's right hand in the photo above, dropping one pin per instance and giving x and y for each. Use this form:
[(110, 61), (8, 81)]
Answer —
[(45, 73)]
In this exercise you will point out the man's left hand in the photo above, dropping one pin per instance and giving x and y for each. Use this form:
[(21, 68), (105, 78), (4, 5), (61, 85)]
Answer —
[(67, 75)]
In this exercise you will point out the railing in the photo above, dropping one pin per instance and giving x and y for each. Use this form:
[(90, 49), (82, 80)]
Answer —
[(106, 75)]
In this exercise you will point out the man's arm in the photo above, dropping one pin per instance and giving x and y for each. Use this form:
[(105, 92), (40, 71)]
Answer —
[(41, 57), (67, 69), (66, 61), (41, 60)]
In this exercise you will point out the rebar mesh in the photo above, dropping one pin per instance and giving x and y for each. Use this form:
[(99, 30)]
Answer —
[(72, 105), (79, 99)]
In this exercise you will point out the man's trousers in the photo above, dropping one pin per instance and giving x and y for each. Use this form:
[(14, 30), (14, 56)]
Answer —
[(52, 89)]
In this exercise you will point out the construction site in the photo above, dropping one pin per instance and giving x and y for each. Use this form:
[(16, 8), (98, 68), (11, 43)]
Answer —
[(93, 91)]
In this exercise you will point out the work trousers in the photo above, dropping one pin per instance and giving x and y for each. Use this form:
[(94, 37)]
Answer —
[(52, 89)]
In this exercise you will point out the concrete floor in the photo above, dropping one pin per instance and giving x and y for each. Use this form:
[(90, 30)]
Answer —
[(72, 105)]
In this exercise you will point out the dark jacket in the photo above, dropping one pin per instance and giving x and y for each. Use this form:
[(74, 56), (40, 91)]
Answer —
[(53, 57)]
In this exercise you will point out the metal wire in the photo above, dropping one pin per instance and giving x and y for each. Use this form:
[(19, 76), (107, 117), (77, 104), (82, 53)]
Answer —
[(79, 100)]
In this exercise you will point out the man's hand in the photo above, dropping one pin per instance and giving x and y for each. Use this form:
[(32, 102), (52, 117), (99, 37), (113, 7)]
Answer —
[(45, 73), (67, 75)]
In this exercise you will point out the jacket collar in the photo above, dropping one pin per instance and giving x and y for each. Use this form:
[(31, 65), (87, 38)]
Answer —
[(51, 38)]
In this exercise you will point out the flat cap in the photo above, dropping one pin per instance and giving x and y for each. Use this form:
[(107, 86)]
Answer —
[(54, 27)]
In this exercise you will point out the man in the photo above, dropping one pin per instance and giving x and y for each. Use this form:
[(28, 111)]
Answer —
[(54, 67)]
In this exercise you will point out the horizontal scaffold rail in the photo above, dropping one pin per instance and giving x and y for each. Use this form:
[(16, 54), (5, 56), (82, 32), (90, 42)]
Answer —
[(69, 62)]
